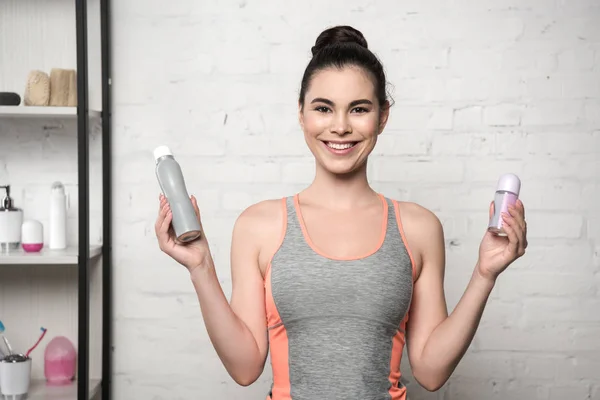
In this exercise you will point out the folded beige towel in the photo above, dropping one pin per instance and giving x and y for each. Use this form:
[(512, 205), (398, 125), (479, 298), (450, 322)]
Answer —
[(63, 87)]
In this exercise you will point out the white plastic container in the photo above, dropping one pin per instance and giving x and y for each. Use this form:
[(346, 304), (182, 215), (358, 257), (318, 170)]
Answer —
[(11, 219), (57, 226), (32, 236), (15, 375)]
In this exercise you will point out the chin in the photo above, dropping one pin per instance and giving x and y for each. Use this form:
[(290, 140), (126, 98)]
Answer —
[(341, 167), (339, 162)]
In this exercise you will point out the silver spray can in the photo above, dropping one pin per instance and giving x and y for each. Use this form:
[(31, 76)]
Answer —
[(170, 178)]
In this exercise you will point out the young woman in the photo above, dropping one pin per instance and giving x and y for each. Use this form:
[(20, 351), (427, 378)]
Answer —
[(331, 279)]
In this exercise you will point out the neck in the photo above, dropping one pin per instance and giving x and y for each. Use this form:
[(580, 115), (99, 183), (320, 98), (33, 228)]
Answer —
[(340, 191)]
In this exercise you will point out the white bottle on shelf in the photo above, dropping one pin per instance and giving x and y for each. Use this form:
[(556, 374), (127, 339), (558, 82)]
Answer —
[(57, 229)]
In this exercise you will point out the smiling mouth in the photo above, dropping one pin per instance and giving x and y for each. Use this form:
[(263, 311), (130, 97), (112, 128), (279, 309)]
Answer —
[(339, 148), (340, 145)]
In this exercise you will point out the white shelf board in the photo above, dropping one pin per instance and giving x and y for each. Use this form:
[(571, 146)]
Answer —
[(42, 112), (38, 390), (67, 256)]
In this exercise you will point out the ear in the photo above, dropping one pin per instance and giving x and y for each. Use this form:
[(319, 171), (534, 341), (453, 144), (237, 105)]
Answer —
[(300, 116), (383, 116)]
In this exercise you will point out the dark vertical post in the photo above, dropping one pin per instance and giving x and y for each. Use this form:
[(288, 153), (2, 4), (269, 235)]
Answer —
[(106, 202), (83, 186)]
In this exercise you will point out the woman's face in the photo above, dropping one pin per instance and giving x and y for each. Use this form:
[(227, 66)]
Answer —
[(341, 118)]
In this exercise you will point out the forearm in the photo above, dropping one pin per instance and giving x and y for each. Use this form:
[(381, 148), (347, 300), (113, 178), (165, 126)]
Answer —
[(450, 340), (233, 341)]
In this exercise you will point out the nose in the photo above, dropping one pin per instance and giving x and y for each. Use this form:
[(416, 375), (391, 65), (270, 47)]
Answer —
[(340, 125)]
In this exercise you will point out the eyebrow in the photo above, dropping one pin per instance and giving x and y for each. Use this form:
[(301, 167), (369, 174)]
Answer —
[(331, 103)]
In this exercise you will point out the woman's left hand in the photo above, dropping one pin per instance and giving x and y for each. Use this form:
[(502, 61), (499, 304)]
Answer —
[(496, 253)]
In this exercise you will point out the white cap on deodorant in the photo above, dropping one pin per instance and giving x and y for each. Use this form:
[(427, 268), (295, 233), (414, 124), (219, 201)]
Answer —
[(510, 183), (162, 151)]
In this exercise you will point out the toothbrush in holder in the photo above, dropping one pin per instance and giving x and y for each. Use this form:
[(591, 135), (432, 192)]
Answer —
[(2, 329), (38, 341)]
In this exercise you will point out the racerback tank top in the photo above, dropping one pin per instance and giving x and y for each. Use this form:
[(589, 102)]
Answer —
[(337, 326)]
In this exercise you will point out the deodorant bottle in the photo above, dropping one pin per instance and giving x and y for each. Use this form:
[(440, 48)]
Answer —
[(170, 178), (57, 217), (507, 193)]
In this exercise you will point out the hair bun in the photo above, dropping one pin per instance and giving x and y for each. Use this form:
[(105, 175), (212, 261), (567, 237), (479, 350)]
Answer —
[(338, 35)]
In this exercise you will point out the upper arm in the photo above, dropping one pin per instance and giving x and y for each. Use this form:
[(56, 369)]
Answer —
[(425, 235), (255, 230)]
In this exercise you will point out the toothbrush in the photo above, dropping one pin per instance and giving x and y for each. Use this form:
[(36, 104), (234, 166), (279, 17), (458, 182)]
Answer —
[(2, 329), (38, 341), (2, 354)]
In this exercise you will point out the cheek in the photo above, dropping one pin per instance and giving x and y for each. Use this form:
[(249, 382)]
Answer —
[(314, 124), (367, 125)]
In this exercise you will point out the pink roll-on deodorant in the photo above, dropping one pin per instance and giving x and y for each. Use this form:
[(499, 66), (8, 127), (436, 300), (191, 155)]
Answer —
[(507, 193)]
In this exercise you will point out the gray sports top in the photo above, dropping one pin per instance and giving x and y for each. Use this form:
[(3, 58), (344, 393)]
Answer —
[(336, 326)]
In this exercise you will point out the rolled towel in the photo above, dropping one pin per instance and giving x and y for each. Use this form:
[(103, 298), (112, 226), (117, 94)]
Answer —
[(37, 89)]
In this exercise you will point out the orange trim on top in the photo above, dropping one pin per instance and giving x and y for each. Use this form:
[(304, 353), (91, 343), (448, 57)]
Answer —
[(398, 342), (278, 345), (278, 339), (403, 236), (321, 253), (281, 236)]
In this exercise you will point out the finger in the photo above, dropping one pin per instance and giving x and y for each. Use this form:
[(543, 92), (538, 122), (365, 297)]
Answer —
[(162, 212), (514, 242), (195, 204), (518, 226), (515, 213), (162, 200), (164, 222), (491, 211), (518, 210), (167, 221), (196, 208), (521, 207)]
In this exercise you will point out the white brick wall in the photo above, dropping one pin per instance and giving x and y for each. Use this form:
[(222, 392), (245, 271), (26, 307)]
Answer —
[(481, 88)]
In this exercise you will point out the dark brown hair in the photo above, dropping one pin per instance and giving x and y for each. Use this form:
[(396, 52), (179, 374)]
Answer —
[(342, 46)]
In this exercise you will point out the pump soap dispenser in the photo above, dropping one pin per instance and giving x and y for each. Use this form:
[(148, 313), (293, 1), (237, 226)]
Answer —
[(11, 219)]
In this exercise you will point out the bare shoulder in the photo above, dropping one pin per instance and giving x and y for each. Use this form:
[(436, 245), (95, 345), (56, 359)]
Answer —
[(421, 220), (261, 215), (262, 225), (423, 232)]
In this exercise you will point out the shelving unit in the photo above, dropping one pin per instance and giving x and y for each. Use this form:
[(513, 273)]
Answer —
[(40, 391), (43, 112), (67, 257), (69, 291)]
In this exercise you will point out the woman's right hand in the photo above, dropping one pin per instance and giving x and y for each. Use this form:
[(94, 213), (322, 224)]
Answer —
[(191, 255)]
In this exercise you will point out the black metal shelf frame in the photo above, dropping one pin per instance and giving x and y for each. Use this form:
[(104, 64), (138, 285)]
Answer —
[(83, 330)]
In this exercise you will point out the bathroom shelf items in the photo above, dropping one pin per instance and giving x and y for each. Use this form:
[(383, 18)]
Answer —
[(71, 34)]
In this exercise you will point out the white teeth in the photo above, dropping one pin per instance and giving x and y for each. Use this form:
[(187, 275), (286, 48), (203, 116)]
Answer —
[(340, 146)]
